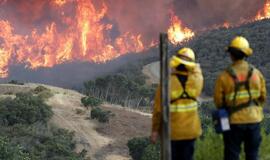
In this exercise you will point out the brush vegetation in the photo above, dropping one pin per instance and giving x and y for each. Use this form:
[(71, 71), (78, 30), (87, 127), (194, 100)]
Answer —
[(209, 146), (127, 86), (26, 135)]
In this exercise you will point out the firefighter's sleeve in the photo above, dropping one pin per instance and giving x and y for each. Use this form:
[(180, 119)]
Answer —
[(219, 92), (156, 119), (262, 98), (197, 73), (200, 82)]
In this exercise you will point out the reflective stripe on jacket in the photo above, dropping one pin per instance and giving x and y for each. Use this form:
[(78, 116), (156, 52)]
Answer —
[(224, 90), (192, 106), (185, 122)]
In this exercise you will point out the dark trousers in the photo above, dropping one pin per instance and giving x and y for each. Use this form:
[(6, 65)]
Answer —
[(249, 134), (182, 149)]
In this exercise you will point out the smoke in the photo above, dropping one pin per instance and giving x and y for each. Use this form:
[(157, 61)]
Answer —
[(205, 13), (146, 17), (137, 17), (26, 15)]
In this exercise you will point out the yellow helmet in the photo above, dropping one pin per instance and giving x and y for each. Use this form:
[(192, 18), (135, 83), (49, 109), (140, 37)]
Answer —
[(241, 44), (183, 56)]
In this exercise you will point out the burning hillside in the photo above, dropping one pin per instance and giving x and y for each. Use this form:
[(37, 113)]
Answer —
[(39, 33)]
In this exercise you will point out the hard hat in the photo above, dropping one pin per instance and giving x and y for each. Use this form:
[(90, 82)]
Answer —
[(241, 44), (183, 56)]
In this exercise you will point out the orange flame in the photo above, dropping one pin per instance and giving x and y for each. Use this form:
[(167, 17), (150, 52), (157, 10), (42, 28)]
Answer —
[(226, 25), (60, 2), (265, 12), (84, 39), (176, 32)]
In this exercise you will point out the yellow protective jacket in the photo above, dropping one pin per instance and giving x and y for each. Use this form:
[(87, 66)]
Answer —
[(224, 91), (185, 121)]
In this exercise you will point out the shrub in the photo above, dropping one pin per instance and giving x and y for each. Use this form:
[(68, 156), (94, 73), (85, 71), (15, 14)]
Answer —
[(24, 123), (42, 142), (79, 111), (151, 152), (15, 82), (9, 151), (24, 109), (91, 101), (101, 115), (209, 147), (136, 147), (43, 92), (266, 124), (45, 95), (40, 88), (265, 147)]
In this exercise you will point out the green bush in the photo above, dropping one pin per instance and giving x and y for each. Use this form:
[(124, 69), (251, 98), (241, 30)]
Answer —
[(101, 115), (43, 92), (39, 89), (79, 111), (15, 82), (45, 95), (42, 142), (10, 151), (24, 109), (265, 147), (137, 146), (266, 123), (126, 87), (28, 136), (210, 147), (91, 101), (151, 152)]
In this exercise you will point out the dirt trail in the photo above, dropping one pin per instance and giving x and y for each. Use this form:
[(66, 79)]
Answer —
[(64, 108), (86, 136), (100, 143)]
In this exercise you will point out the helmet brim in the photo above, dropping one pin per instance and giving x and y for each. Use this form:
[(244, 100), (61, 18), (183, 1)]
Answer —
[(247, 51), (175, 61)]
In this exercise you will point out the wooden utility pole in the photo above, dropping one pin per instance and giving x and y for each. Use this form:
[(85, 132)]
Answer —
[(165, 99)]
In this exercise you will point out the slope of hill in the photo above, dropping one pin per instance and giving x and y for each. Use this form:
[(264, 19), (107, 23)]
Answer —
[(102, 141), (210, 51), (73, 74)]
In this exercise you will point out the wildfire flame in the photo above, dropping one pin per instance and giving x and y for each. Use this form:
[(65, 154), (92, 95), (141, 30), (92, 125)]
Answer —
[(60, 2), (226, 25), (265, 12), (86, 40), (86, 37), (176, 32)]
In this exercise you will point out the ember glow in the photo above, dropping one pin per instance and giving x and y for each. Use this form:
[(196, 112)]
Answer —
[(176, 32)]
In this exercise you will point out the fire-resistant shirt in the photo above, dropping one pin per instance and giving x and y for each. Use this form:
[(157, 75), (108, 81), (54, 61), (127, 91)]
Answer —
[(225, 90), (184, 117)]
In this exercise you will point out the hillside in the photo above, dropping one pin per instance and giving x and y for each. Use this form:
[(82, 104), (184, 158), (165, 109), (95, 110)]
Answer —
[(102, 141), (72, 74), (210, 51)]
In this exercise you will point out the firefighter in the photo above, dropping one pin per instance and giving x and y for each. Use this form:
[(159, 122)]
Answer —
[(186, 82), (241, 90)]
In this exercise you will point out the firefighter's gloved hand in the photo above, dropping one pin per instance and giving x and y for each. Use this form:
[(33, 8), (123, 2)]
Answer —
[(154, 137)]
